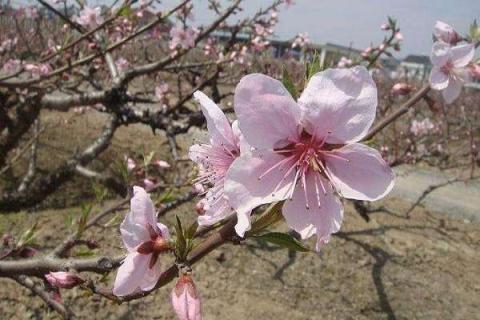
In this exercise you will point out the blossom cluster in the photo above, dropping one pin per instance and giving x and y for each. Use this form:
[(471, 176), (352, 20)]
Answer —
[(452, 62)]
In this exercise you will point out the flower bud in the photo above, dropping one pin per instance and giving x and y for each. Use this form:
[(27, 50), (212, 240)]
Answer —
[(385, 27), (185, 299), (200, 207), (401, 89), (61, 279), (475, 71)]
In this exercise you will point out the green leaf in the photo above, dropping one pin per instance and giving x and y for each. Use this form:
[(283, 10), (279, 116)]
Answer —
[(271, 215), (283, 240), (190, 232), (288, 83), (313, 67), (28, 236), (147, 159), (180, 243), (124, 11)]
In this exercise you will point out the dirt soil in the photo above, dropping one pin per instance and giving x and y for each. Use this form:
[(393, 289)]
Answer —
[(425, 267)]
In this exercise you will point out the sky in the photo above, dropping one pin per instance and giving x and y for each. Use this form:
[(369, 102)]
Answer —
[(357, 22), (353, 23)]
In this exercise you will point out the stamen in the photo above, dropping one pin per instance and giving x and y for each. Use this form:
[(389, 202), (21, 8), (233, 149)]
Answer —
[(276, 165)]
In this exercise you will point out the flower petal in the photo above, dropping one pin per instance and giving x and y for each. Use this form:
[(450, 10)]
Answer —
[(130, 274), (452, 91), (440, 54), (151, 276), (142, 207), (324, 214), (462, 54), (438, 79), (217, 208), (267, 114), (219, 128), (359, 172), (341, 103), (133, 234), (245, 191)]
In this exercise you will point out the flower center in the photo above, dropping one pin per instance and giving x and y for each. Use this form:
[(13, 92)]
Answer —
[(155, 246), (305, 156)]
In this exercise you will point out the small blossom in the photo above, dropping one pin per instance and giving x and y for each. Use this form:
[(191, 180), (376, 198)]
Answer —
[(385, 26), (474, 69), (90, 17), (450, 68), (301, 40), (182, 37), (198, 188), (185, 299), (12, 66), (149, 184), (201, 207), (344, 62), (145, 239), (420, 128), (65, 280), (161, 91), (131, 164), (401, 89), (214, 159), (122, 64), (162, 164), (444, 32), (399, 36)]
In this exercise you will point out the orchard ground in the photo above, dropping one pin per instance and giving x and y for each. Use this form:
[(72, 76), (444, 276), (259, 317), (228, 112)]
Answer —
[(392, 267)]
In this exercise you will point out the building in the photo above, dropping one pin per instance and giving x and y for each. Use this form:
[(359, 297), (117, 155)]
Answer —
[(415, 67)]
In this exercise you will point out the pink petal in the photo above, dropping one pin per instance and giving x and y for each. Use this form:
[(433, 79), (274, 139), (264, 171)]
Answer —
[(216, 211), (142, 207), (133, 234), (243, 189), (340, 101), (218, 126), (462, 54), (164, 230), (324, 214), (452, 91), (438, 79), (186, 307), (440, 54), (267, 114), (365, 176), (151, 276), (130, 274), (243, 145)]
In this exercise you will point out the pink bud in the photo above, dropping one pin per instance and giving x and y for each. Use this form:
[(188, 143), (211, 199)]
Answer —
[(475, 71), (61, 279), (162, 164), (185, 299), (198, 188), (130, 164), (401, 89), (149, 184), (385, 26), (399, 36)]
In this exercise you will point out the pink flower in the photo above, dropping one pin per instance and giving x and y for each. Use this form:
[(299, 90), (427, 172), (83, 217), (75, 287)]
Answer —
[(198, 188), (162, 164), (366, 52), (145, 240), (215, 158), (161, 91), (344, 62), (420, 128), (444, 32), (185, 299), (475, 71), (306, 151), (131, 164), (301, 40), (122, 64), (450, 70), (38, 70), (399, 36), (401, 89), (149, 184), (200, 207), (385, 26), (65, 280), (182, 37), (90, 17), (12, 65)]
